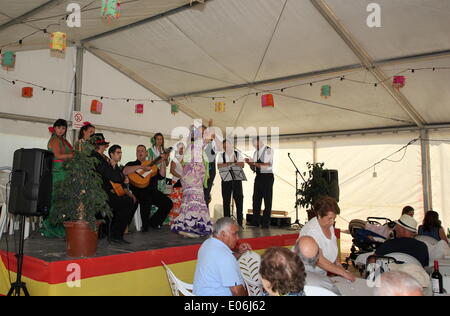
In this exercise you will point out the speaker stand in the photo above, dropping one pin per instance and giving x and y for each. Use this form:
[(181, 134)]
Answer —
[(18, 286)]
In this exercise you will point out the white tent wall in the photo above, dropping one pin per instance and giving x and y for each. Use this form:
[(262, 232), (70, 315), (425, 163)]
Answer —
[(100, 79), (39, 68), (361, 195), (440, 169)]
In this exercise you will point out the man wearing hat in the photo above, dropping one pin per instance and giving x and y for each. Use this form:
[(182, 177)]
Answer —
[(405, 242), (122, 206)]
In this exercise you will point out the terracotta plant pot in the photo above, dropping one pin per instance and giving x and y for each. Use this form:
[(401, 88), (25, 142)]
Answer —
[(81, 240)]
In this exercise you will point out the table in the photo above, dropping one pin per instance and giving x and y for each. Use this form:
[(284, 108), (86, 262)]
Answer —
[(358, 288)]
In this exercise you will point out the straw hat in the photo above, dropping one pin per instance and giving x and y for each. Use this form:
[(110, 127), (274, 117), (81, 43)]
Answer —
[(408, 223)]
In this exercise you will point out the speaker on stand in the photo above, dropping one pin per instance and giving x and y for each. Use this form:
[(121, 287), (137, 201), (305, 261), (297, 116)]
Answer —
[(332, 178), (30, 195)]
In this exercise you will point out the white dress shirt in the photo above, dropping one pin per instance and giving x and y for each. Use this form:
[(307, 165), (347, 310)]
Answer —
[(265, 154)]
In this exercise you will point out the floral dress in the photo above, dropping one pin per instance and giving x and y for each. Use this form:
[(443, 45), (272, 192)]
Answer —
[(194, 214)]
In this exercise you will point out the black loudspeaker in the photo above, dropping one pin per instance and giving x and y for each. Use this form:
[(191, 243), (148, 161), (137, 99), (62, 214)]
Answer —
[(332, 178), (31, 182)]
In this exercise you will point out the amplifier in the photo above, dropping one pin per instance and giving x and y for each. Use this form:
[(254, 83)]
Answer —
[(278, 221)]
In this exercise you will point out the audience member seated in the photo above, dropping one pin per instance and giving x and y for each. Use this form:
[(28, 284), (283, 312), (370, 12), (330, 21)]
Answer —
[(282, 272), (321, 229), (432, 227), (218, 272), (309, 253), (406, 231), (408, 210), (397, 284)]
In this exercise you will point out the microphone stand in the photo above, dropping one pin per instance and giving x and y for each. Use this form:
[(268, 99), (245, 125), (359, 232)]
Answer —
[(297, 172)]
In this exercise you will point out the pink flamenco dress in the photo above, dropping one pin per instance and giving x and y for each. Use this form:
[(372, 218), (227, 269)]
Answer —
[(194, 220)]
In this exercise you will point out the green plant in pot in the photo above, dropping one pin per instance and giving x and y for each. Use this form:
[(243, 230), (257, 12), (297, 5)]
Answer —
[(313, 189), (80, 197)]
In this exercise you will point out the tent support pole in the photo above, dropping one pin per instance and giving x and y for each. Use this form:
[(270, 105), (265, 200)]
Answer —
[(78, 84), (426, 170)]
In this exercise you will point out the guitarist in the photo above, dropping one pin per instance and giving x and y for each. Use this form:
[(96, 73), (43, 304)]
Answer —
[(115, 155), (150, 195), (122, 207)]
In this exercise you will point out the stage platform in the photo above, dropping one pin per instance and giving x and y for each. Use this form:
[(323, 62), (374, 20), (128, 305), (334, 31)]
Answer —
[(133, 269)]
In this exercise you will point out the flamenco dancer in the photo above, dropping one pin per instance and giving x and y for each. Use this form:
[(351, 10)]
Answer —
[(194, 220)]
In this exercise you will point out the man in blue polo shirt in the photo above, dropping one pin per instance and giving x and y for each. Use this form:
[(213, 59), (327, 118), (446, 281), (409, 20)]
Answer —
[(217, 272)]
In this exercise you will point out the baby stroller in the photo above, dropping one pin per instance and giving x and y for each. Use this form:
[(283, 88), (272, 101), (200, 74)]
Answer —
[(368, 236)]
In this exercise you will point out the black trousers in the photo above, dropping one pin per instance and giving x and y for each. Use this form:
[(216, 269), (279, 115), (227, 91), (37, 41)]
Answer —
[(235, 188), (263, 190), (123, 211), (148, 197), (212, 176)]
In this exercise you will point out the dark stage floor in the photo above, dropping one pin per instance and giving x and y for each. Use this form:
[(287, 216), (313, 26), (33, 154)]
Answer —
[(51, 250)]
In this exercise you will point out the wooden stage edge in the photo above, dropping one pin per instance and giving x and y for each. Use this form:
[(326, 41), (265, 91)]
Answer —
[(131, 270)]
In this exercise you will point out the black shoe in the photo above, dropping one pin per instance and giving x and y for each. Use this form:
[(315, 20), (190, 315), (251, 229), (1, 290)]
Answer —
[(144, 229), (265, 226), (157, 227), (253, 224)]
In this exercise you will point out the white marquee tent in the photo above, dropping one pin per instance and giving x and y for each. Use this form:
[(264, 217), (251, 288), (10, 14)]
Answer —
[(195, 54)]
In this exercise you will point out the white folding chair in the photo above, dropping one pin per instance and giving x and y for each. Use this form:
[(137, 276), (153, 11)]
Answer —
[(3, 219), (317, 291), (249, 264), (176, 285), (138, 219), (402, 257)]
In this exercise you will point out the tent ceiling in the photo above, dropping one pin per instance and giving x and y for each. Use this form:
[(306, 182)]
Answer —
[(91, 24), (227, 43)]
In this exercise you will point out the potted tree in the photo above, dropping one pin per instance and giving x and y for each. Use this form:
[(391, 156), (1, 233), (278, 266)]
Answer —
[(313, 189), (80, 198)]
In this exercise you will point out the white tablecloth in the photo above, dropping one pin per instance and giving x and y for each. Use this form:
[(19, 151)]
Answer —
[(358, 288)]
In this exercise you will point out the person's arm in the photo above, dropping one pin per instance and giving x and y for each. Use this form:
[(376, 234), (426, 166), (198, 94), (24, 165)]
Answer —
[(132, 169), (243, 248), (251, 164), (163, 169), (238, 290), (330, 267), (54, 144), (443, 235), (173, 167)]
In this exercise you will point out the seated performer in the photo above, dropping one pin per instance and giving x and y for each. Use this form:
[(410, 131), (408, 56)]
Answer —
[(149, 195), (122, 206)]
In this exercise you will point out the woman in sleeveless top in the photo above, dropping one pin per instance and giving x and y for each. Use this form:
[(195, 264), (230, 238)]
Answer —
[(85, 134), (62, 150), (432, 227), (157, 147)]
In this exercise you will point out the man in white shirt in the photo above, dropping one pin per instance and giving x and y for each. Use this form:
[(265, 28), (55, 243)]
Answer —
[(262, 164), (217, 272), (225, 161)]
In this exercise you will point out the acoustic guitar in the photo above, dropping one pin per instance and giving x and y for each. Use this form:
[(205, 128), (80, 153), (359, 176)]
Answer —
[(118, 189), (141, 178)]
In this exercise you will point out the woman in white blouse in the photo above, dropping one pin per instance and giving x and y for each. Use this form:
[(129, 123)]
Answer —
[(321, 228)]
